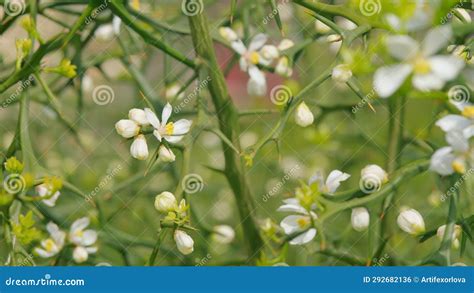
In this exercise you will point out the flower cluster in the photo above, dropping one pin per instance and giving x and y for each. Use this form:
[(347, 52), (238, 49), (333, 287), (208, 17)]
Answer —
[(258, 53), (176, 215), (79, 238), (140, 122)]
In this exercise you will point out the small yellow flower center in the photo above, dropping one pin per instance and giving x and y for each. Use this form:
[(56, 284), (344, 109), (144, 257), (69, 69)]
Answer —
[(421, 66), (49, 244), (79, 233), (254, 57), (302, 222), (169, 128), (459, 167), (468, 112)]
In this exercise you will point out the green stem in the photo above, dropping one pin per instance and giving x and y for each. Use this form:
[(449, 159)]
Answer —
[(156, 248), (228, 124)]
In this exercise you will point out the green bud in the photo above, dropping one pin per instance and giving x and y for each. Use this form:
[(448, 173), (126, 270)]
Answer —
[(5, 198), (65, 68), (12, 165)]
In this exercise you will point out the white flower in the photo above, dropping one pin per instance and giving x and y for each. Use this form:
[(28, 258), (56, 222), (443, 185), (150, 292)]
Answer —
[(228, 34), (430, 72), (127, 128), (172, 90), (303, 115), (166, 155), (360, 219), (83, 239), (285, 44), (223, 234), (139, 148), (52, 245), (138, 116), (107, 32), (165, 202), (87, 84), (411, 222), (184, 242), (270, 52), (249, 58), (341, 73), (283, 67), (333, 181), (373, 174), (300, 224), (172, 132), (455, 236), (45, 190)]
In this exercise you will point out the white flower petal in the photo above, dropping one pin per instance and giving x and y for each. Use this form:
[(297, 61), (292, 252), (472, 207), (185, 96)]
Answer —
[(43, 253), (304, 238), (292, 208), (457, 141), (157, 134), (257, 42), (165, 115), (290, 224), (181, 126), (427, 82), (89, 237), (388, 79), (334, 180), (446, 67), (80, 224), (442, 160), (174, 138), (151, 116), (257, 75), (238, 47), (402, 47), (436, 39), (257, 87), (453, 123)]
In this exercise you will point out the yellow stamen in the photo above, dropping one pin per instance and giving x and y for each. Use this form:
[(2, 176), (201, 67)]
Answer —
[(79, 233), (459, 167), (421, 66), (303, 222), (169, 128), (49, 244), (468, 112), (254, 57)]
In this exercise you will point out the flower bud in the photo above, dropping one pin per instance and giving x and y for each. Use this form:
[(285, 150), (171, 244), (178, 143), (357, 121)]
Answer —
[(12, 165), (138, 115), (172, 91), (139, 148), (360, 219), (127, 128), (228, 34), (303, 116), (223, 234), (165, 202), (321, 27), (283, 68), (341, 73), (411, 222), (285, 44), (80, 254), (166, 155), (455, 236), (269, 52), (184, 242)]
